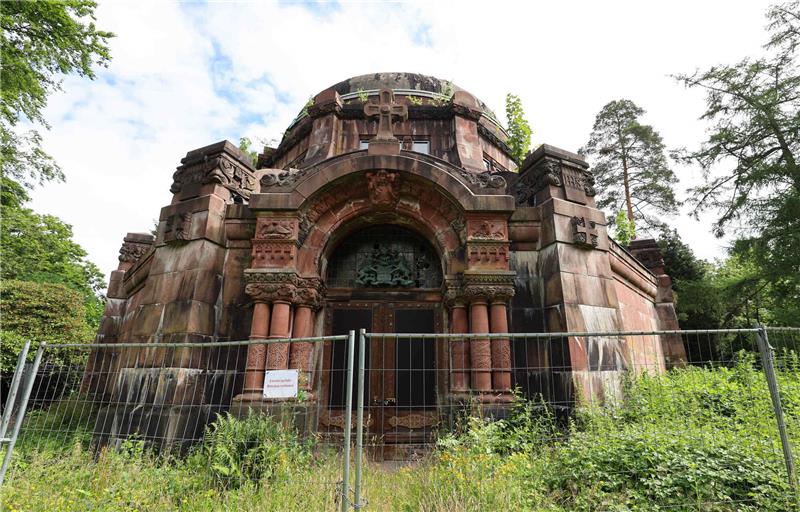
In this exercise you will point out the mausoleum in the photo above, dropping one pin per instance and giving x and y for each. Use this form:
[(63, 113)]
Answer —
[(391, 204)]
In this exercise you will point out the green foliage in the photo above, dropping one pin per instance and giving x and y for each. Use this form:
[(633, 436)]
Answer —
[(414, 100), (39, 248), (750, 159), (254, 449), (519, 131), (41, 42), (11, 344), (244, 145), (689, 439), (624, 229), (363, 96), (630, 165), (40, 312)]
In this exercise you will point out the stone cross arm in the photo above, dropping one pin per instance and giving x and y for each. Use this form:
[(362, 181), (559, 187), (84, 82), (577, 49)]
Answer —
[(386, 111)]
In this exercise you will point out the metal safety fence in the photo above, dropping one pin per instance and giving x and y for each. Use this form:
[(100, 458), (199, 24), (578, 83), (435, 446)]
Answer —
[(172, 409), (561, 421)]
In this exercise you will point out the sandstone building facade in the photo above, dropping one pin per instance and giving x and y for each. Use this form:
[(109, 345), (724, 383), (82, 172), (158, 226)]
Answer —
[(391, 204)]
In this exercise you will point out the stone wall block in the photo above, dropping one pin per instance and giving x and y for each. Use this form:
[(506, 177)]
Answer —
[(188, 316)]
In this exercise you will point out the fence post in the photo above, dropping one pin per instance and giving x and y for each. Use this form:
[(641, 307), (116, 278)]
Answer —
[(362, 342), (26, 393), (767, 354), (348, 415), (12, 392)]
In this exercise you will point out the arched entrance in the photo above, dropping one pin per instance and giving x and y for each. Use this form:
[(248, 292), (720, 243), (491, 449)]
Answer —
[(388, 279)]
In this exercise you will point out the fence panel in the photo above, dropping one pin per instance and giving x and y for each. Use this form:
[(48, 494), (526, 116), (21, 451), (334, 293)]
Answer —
[(576, 421), (158, 426)]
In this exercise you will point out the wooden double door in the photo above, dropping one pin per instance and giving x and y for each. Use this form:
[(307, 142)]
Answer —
[(405, 378)]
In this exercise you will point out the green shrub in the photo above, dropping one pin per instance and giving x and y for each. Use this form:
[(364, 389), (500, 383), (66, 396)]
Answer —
[(255, 448)]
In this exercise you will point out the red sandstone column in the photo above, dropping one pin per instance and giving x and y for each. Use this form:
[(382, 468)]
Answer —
[(480, 349), (459, 324), (256, 354), (278, 353), (501, 348), (300, 357)]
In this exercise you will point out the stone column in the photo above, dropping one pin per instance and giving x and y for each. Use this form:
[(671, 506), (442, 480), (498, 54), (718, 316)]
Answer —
[(480, 349), (459, 348), (256, 354), (278, 353), (501, 348), (308, 300)]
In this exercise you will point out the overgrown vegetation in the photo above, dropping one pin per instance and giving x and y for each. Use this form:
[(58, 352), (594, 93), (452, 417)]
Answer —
[(691, 439)]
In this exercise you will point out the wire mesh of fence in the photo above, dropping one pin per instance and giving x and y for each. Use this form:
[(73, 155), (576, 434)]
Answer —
[(415, 421), (582, 421), (175, 412)]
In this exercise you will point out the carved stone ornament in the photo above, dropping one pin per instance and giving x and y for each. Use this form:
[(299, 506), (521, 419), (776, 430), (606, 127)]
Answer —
[(309, 292), (493, 287), (483, 179), (304, 228), (131, 252), (271, 286), (281, 178), (584, 232), (219, 169), (460, 227), (487, 230), (275, 229), (384, 188), (453, 293), (386, 111), (544, 175), (491, 293), (177, 227), (385, 267)]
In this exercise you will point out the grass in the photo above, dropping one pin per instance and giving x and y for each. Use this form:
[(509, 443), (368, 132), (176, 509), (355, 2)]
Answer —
[(692, 439)]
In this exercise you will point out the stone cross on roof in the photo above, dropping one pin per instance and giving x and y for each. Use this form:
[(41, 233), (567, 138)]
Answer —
[(386, 109)]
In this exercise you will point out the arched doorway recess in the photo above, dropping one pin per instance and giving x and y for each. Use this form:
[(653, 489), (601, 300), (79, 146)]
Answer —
[(388, 279)]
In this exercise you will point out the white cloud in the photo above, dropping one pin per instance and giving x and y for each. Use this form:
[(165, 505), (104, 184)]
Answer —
[(187, 75)]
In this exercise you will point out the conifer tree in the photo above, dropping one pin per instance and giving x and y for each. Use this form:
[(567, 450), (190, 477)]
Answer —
[(630, 165)]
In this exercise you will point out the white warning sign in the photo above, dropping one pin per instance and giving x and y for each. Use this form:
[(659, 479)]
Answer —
[(280, 384)]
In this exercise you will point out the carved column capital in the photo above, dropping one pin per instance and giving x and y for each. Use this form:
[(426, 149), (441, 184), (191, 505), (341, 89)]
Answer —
[(271, 286), (489, 287), (454, 293), (310, 291)]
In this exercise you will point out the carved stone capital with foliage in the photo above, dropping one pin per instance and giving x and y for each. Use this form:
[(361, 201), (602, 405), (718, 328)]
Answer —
[(489, 287), (271, 286), (310, 291)]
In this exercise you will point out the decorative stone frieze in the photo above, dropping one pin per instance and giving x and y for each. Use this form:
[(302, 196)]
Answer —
[(487, 252), (275, 245)]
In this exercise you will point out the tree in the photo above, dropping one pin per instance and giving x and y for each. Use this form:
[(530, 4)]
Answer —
[(630, 165), (624, 229), (750, 159), (519, 131), (41, 42)]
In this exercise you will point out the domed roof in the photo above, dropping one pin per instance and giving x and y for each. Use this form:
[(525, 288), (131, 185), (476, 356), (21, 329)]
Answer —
[(403, 83)]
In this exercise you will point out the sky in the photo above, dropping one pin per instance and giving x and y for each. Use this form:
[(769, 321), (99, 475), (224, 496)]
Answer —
[(185, 75)]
